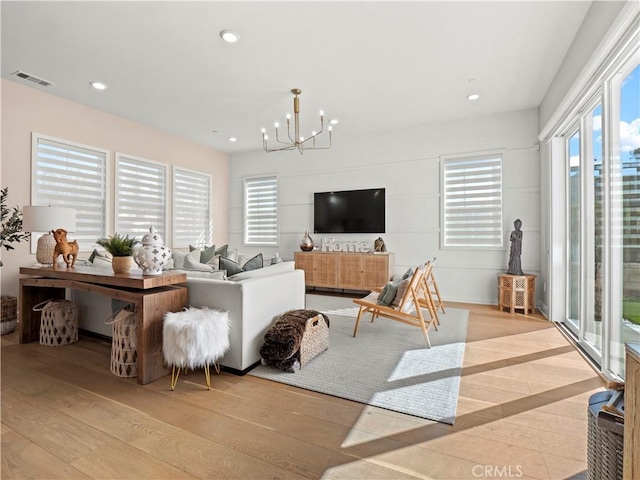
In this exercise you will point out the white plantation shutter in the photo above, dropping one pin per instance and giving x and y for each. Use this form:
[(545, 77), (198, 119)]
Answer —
[(261, 211), (472, 202), (191, 208), (66, 174), (141, 196)]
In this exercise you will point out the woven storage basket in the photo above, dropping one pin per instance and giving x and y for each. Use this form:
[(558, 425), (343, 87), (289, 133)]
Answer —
[(124, 353), (9, 314), (605, 442), (315, 339), (59, 322)]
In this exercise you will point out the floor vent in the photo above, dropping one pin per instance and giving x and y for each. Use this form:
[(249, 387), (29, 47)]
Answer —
[(32, 78)]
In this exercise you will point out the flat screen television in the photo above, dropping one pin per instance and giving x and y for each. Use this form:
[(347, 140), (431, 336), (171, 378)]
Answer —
[(349, 211)]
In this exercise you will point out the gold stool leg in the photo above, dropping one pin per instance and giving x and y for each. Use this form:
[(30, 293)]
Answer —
[(207, 376), (174, 377)]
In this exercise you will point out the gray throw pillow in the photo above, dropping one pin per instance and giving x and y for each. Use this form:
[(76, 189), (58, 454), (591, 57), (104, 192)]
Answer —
[(388, 293), (232, 267)]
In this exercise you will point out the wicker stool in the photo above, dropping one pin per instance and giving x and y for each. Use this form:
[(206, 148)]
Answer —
[(194, 338), (9, 314)]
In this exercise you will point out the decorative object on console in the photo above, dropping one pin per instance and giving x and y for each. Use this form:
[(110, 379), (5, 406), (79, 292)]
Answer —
[(379, 246), (43, 219), (296, 142), (151, 255), (68, 250), (121, 248), (330, 245), (306, 244)]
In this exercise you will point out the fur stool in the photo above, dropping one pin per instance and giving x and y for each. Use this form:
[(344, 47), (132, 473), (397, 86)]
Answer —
[(194, 338)]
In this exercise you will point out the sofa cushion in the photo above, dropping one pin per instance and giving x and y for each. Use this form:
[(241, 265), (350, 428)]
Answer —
[(387, 294), (212, 275), (192, 264), (207, 253)]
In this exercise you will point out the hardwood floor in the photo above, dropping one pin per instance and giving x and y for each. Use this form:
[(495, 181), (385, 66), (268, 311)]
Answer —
[(522, 413)]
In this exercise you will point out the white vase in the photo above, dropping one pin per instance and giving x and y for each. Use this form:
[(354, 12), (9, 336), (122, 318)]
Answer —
[(152, 255)]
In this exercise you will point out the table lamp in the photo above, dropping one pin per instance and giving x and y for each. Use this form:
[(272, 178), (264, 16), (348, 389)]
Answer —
[(45, 219)]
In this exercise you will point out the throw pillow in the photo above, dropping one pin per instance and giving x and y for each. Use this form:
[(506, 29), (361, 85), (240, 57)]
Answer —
[(215, 262), (207, 254), (402, 288), (232, 267), (178, 258), (191, 264), (387, 294), (408, 274)]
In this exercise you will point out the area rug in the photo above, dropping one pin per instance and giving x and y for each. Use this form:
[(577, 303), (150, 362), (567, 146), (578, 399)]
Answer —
[(387, 364)]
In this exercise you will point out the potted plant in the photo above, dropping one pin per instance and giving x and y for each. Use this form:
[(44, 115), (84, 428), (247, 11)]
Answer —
[(10, 223), (121, 247)]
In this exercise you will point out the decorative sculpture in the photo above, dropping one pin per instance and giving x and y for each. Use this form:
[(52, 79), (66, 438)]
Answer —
[(68, 250), (515, 264), (379, 246)]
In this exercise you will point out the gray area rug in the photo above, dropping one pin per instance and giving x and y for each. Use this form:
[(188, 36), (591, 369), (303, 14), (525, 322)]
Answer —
[(387, 364)]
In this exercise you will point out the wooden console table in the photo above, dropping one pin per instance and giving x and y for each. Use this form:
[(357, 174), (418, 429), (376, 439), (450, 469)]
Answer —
[(152, 296), (517, 292)]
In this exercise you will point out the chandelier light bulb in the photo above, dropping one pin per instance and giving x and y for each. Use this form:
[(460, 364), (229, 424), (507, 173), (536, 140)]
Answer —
[(301, 139), (313, 134), (266, 137), (277, 124), (330, 128), (322, 113), (264, 130), (288, 116)]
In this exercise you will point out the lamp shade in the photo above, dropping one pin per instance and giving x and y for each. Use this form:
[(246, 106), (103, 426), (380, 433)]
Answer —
[(45, 219)]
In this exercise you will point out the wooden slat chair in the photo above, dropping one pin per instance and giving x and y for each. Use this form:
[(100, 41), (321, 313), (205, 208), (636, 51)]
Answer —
[(434, 291), (410, 309)]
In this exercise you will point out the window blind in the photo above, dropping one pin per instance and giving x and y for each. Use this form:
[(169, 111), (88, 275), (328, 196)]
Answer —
[(141, 193), (261, 211), (191, 208), (472, 204), (74, 176)]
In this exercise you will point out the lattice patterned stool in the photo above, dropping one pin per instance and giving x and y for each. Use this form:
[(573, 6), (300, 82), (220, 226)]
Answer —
[(58, 323), (124, 353), (517, 292), (194, 338)]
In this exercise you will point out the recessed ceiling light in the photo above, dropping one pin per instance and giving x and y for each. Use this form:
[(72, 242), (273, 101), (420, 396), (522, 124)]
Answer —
[(232, 139), (473, 96), (229, 36), (334, 121), (99, 85)]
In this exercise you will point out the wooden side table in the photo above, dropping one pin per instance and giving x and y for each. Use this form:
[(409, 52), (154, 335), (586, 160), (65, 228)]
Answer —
[(517, 292)]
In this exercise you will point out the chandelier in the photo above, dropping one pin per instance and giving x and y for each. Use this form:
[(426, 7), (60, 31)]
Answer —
[(296, 142)]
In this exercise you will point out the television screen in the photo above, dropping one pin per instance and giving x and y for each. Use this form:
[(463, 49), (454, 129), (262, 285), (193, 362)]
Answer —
[(351, 211)]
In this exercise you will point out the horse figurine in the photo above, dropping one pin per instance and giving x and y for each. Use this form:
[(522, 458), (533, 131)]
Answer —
[(68, 250)]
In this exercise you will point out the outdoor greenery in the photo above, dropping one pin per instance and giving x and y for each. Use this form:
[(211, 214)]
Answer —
[(117, 245)]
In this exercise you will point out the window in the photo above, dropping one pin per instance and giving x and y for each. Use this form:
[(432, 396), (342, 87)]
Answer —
[(71, 175), (472, 201), (141, 196), (191, 208), (261, 211)]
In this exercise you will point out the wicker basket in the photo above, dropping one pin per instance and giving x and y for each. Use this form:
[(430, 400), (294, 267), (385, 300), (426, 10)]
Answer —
[(59, 322), (315, 339), (9, 314), (124, 353), (605, 441)]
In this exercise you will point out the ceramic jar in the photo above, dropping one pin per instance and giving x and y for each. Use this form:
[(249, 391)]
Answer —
[(151, 255)]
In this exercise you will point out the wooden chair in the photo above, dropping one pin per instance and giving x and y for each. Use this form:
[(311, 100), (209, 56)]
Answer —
[(434, 291), (409, 310)]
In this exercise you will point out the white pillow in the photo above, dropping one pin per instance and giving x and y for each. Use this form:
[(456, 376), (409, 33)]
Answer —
[(215, 262), (264, 272), (215, 275), (178, 258), (191, 264)]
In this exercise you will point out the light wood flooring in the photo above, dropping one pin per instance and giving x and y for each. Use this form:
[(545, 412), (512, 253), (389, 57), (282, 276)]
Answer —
[(522, 413)]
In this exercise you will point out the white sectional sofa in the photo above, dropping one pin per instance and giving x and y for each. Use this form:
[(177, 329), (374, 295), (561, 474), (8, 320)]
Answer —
[(253, 299)]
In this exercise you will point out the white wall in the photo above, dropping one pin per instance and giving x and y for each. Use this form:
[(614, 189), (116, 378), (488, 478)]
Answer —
[(407, 164), (26, 110)]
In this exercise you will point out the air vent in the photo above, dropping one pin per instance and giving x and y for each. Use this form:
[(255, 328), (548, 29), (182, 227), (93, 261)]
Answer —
[(32, 78)]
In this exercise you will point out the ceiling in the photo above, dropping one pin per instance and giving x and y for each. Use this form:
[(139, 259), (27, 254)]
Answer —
[(375, 66)]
